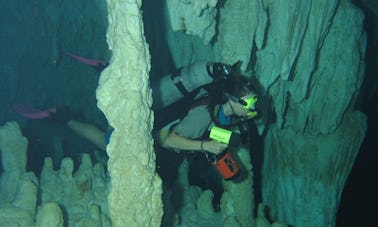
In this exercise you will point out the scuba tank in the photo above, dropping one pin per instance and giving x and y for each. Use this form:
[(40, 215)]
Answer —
[(180, 83), (224, 162), (186, 80)]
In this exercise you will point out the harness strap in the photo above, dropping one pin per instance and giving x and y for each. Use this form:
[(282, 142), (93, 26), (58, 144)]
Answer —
[(203, 101), (177, 80)]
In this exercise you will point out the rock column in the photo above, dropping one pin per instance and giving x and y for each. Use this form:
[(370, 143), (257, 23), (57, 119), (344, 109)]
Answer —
[(124, 95)]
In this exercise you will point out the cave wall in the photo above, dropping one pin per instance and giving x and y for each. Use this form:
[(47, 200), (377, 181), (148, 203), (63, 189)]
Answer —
[(310, 149)]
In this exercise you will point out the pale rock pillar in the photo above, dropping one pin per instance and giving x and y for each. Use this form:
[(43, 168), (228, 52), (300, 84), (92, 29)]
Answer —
[(18, 189), (124, 95), (13, 147), (238, 199), (50, 214)]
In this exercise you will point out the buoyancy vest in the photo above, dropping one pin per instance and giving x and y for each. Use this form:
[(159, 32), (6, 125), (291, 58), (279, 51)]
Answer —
[(180, 109)]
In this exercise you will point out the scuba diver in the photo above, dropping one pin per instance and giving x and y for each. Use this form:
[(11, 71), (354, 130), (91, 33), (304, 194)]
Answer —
[(236, 106), (212, 96), (225, 100)]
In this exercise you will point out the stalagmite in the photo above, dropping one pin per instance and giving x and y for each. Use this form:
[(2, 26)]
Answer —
[(124, 96)]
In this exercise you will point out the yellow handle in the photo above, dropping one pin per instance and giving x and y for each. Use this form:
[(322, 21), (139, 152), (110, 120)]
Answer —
[(220, 134)]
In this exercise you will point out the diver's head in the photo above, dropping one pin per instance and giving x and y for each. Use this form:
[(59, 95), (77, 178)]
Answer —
[(241, 96)]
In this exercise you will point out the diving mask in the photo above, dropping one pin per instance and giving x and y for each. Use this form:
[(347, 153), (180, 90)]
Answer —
[(249, 104)]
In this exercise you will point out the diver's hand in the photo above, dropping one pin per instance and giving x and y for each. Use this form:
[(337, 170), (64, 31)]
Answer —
[(214, 146)]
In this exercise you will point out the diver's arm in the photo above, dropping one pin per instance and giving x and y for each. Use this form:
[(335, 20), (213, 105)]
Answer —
[(89, 132), (175, 141)]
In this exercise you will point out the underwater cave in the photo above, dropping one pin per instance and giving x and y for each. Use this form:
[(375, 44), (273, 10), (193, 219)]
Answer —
[(307, 161)]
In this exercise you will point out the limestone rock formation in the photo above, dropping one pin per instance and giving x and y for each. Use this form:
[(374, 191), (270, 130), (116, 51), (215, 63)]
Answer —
[(194, 17), (18, 189), (18, 194), (235, 35), (125, 98), (238, 198), (196, 208), (310, 149), (13, 147), (50, 214), (81, 194)]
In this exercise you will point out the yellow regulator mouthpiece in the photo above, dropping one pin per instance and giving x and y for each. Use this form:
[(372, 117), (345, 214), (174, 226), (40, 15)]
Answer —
[(251, 114), (220, 134)]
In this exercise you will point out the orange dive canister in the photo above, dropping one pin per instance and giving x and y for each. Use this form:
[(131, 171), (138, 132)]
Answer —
[(226, 166)]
